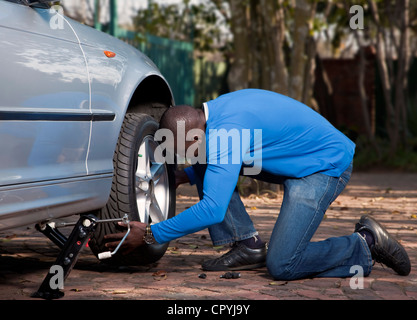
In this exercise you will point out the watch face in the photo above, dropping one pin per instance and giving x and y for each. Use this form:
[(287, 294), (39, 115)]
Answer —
[(149, 239)]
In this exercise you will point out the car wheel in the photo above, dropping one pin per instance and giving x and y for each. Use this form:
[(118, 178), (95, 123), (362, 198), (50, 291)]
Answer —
[(141, 188)]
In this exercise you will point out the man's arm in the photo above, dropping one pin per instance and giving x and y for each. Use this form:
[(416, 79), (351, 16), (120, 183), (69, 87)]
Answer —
[(181, 177), (219, 184), (219, 181), (224, 161)]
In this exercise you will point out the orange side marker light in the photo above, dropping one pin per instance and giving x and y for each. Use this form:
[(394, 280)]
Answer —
[(109, 54)]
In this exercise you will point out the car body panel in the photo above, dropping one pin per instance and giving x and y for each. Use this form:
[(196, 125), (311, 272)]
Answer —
[(62, 104), (40, 81), (42, 201), (113, 81)]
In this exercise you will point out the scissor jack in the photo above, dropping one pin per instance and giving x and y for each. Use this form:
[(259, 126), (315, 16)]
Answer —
[(70, 250)]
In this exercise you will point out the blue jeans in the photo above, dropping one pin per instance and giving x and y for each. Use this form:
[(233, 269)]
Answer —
[(237, 225), (291, 254)]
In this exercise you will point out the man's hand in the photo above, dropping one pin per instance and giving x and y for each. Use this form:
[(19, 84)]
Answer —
[(180, 177), (133, 240)]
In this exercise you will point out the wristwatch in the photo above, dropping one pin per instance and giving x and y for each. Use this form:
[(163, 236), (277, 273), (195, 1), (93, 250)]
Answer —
[(148, 236)]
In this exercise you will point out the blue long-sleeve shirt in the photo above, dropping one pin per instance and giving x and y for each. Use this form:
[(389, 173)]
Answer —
[(261, 130)]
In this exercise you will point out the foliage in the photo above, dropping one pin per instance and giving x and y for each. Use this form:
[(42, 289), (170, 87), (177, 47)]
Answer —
[(197, 23), (264, 44), (366, 158)]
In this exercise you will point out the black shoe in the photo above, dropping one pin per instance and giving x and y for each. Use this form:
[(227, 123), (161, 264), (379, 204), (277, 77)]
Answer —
[(385, 249), (240, 257)]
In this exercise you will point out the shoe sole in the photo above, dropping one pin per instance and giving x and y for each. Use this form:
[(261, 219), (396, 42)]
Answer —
[(246, 267)]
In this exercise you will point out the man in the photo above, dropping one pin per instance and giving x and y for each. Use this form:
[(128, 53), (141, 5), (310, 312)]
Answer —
[(277, 140)]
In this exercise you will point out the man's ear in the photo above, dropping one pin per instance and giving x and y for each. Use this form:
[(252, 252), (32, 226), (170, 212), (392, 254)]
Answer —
[(195, 135), (198, 138)]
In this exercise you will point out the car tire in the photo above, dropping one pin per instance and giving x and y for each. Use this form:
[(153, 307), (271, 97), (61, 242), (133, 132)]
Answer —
[(141, 188)]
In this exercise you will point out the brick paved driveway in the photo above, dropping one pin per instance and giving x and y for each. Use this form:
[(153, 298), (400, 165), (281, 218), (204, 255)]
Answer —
[(26, 255)]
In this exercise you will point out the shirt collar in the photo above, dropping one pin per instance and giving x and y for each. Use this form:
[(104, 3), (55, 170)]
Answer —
[(205, 110)]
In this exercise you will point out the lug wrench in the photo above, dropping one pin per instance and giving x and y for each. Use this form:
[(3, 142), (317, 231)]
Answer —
[(109, 254)]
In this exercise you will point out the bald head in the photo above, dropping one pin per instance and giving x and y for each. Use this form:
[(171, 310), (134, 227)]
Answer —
[(191, 117), (187, 126)]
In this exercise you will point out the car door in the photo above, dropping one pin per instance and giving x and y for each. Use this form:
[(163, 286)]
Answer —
[(45, 121)]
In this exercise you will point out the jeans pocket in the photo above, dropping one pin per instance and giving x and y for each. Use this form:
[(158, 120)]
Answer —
[(342, 182), (345, 177)]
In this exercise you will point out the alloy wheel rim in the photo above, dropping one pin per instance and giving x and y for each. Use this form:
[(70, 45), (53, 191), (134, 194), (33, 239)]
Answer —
[(151, 184)]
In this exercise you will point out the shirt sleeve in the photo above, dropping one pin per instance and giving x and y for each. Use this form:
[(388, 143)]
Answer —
[(219, 184), (189, 171), (220, 179)]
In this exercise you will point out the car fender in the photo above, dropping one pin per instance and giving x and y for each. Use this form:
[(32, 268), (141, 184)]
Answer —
[(126, 81)]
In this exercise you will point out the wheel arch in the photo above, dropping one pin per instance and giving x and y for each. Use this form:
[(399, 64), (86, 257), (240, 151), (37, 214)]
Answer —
[(152, 97)]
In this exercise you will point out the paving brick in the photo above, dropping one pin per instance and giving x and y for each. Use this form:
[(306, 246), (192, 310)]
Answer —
[(26, 255)]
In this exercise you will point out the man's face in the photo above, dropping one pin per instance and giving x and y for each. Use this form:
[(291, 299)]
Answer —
[(184, 144), (183, 147)]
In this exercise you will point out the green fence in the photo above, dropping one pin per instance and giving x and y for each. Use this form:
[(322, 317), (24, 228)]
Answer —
[(209, 80), (173, 58)]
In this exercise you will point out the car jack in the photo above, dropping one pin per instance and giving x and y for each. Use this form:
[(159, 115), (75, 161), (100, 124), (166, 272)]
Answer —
[(70, 250)]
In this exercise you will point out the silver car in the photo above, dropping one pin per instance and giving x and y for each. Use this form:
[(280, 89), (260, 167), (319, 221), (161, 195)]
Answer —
[(78, 113)]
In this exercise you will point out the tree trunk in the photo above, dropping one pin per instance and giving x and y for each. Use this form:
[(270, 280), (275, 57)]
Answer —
[(364, 98), (303, 13), (403, 66), (391, 124), (309, 77), (238, 77), (274, 32), (394, 82)]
